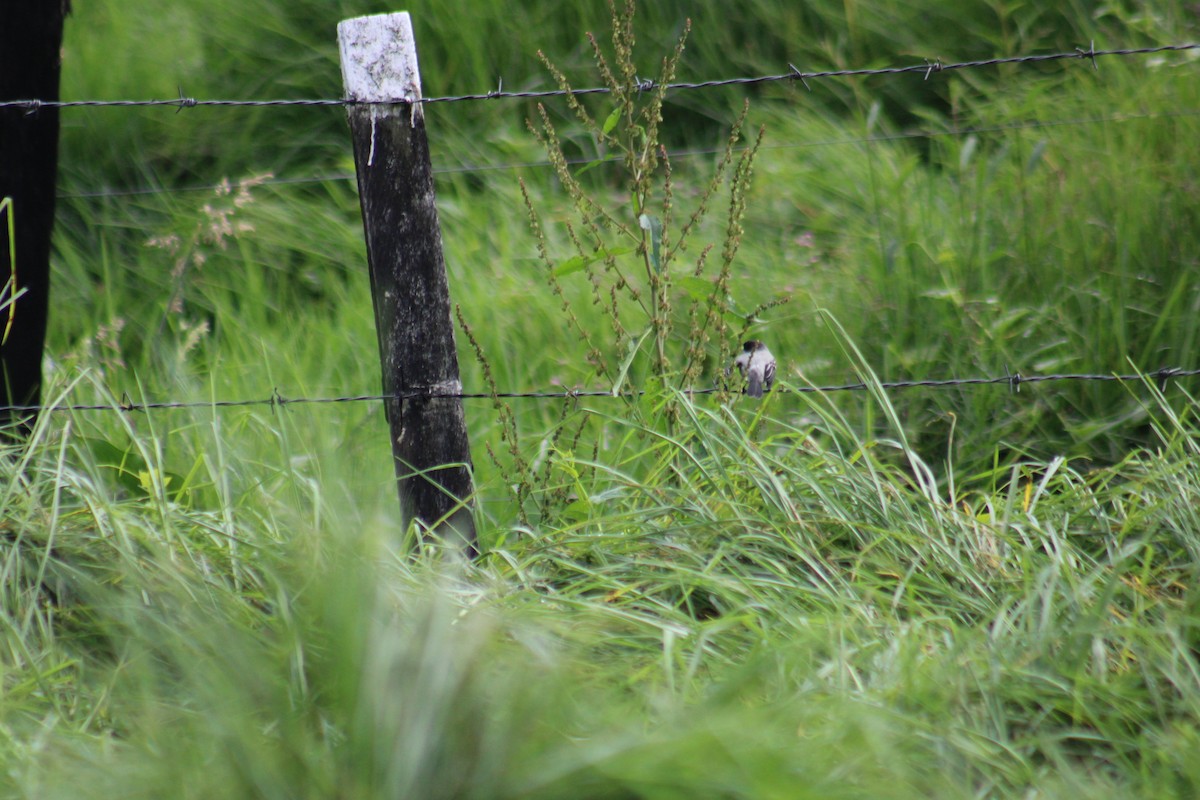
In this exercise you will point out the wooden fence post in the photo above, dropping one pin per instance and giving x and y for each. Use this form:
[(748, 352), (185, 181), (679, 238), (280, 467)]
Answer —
[(31, 34), (408, 274)]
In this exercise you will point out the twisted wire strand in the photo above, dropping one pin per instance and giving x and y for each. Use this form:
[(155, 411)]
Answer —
[(928, 68), (1013, 380)]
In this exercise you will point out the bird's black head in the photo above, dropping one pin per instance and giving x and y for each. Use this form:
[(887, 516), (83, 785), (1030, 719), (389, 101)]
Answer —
[(752, 345)]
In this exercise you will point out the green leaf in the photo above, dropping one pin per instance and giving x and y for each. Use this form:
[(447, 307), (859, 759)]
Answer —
[(1035, 157), (146, 480), (123, 464), (632, 349), (10, 288), (593, 164), (577, 263), (698, 289), (613, 118), (126, 467), (572, 264), (654, 226)]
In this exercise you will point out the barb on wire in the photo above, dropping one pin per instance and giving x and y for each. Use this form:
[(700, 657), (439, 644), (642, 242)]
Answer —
[(184, 101), (1089, 53), (800, 75), (1014, 381), (927, 68)]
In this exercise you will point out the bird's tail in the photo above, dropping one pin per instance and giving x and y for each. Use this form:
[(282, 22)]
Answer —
[(755, 387)]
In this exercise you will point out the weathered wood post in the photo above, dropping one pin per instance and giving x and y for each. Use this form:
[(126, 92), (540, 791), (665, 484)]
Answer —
[(31, 34), (408, 274)]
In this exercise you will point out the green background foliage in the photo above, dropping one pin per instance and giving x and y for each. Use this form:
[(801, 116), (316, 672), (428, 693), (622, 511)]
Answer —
[(927, 593)]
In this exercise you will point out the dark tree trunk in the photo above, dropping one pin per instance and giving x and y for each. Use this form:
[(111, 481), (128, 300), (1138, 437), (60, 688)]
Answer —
[(30, 42)]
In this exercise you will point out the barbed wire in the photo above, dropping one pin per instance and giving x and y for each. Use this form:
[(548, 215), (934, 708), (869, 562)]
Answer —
[(276, 400), (928, 68), (1014, 381), (674, 154)]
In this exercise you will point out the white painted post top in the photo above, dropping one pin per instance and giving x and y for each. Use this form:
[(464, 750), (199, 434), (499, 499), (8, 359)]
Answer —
[(379, 59)]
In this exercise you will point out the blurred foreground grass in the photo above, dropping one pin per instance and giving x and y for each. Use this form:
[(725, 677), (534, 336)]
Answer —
[(787, 617)]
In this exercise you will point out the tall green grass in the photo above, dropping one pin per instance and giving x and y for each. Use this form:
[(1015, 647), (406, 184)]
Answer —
[(789, 615), (929, 593)]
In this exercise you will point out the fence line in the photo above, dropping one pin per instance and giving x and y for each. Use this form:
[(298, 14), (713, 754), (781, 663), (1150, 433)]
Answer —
[(1014, 381), (677, 154), (928, 68)]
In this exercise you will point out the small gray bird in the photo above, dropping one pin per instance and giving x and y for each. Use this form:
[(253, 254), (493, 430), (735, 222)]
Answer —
[(757, 366)]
